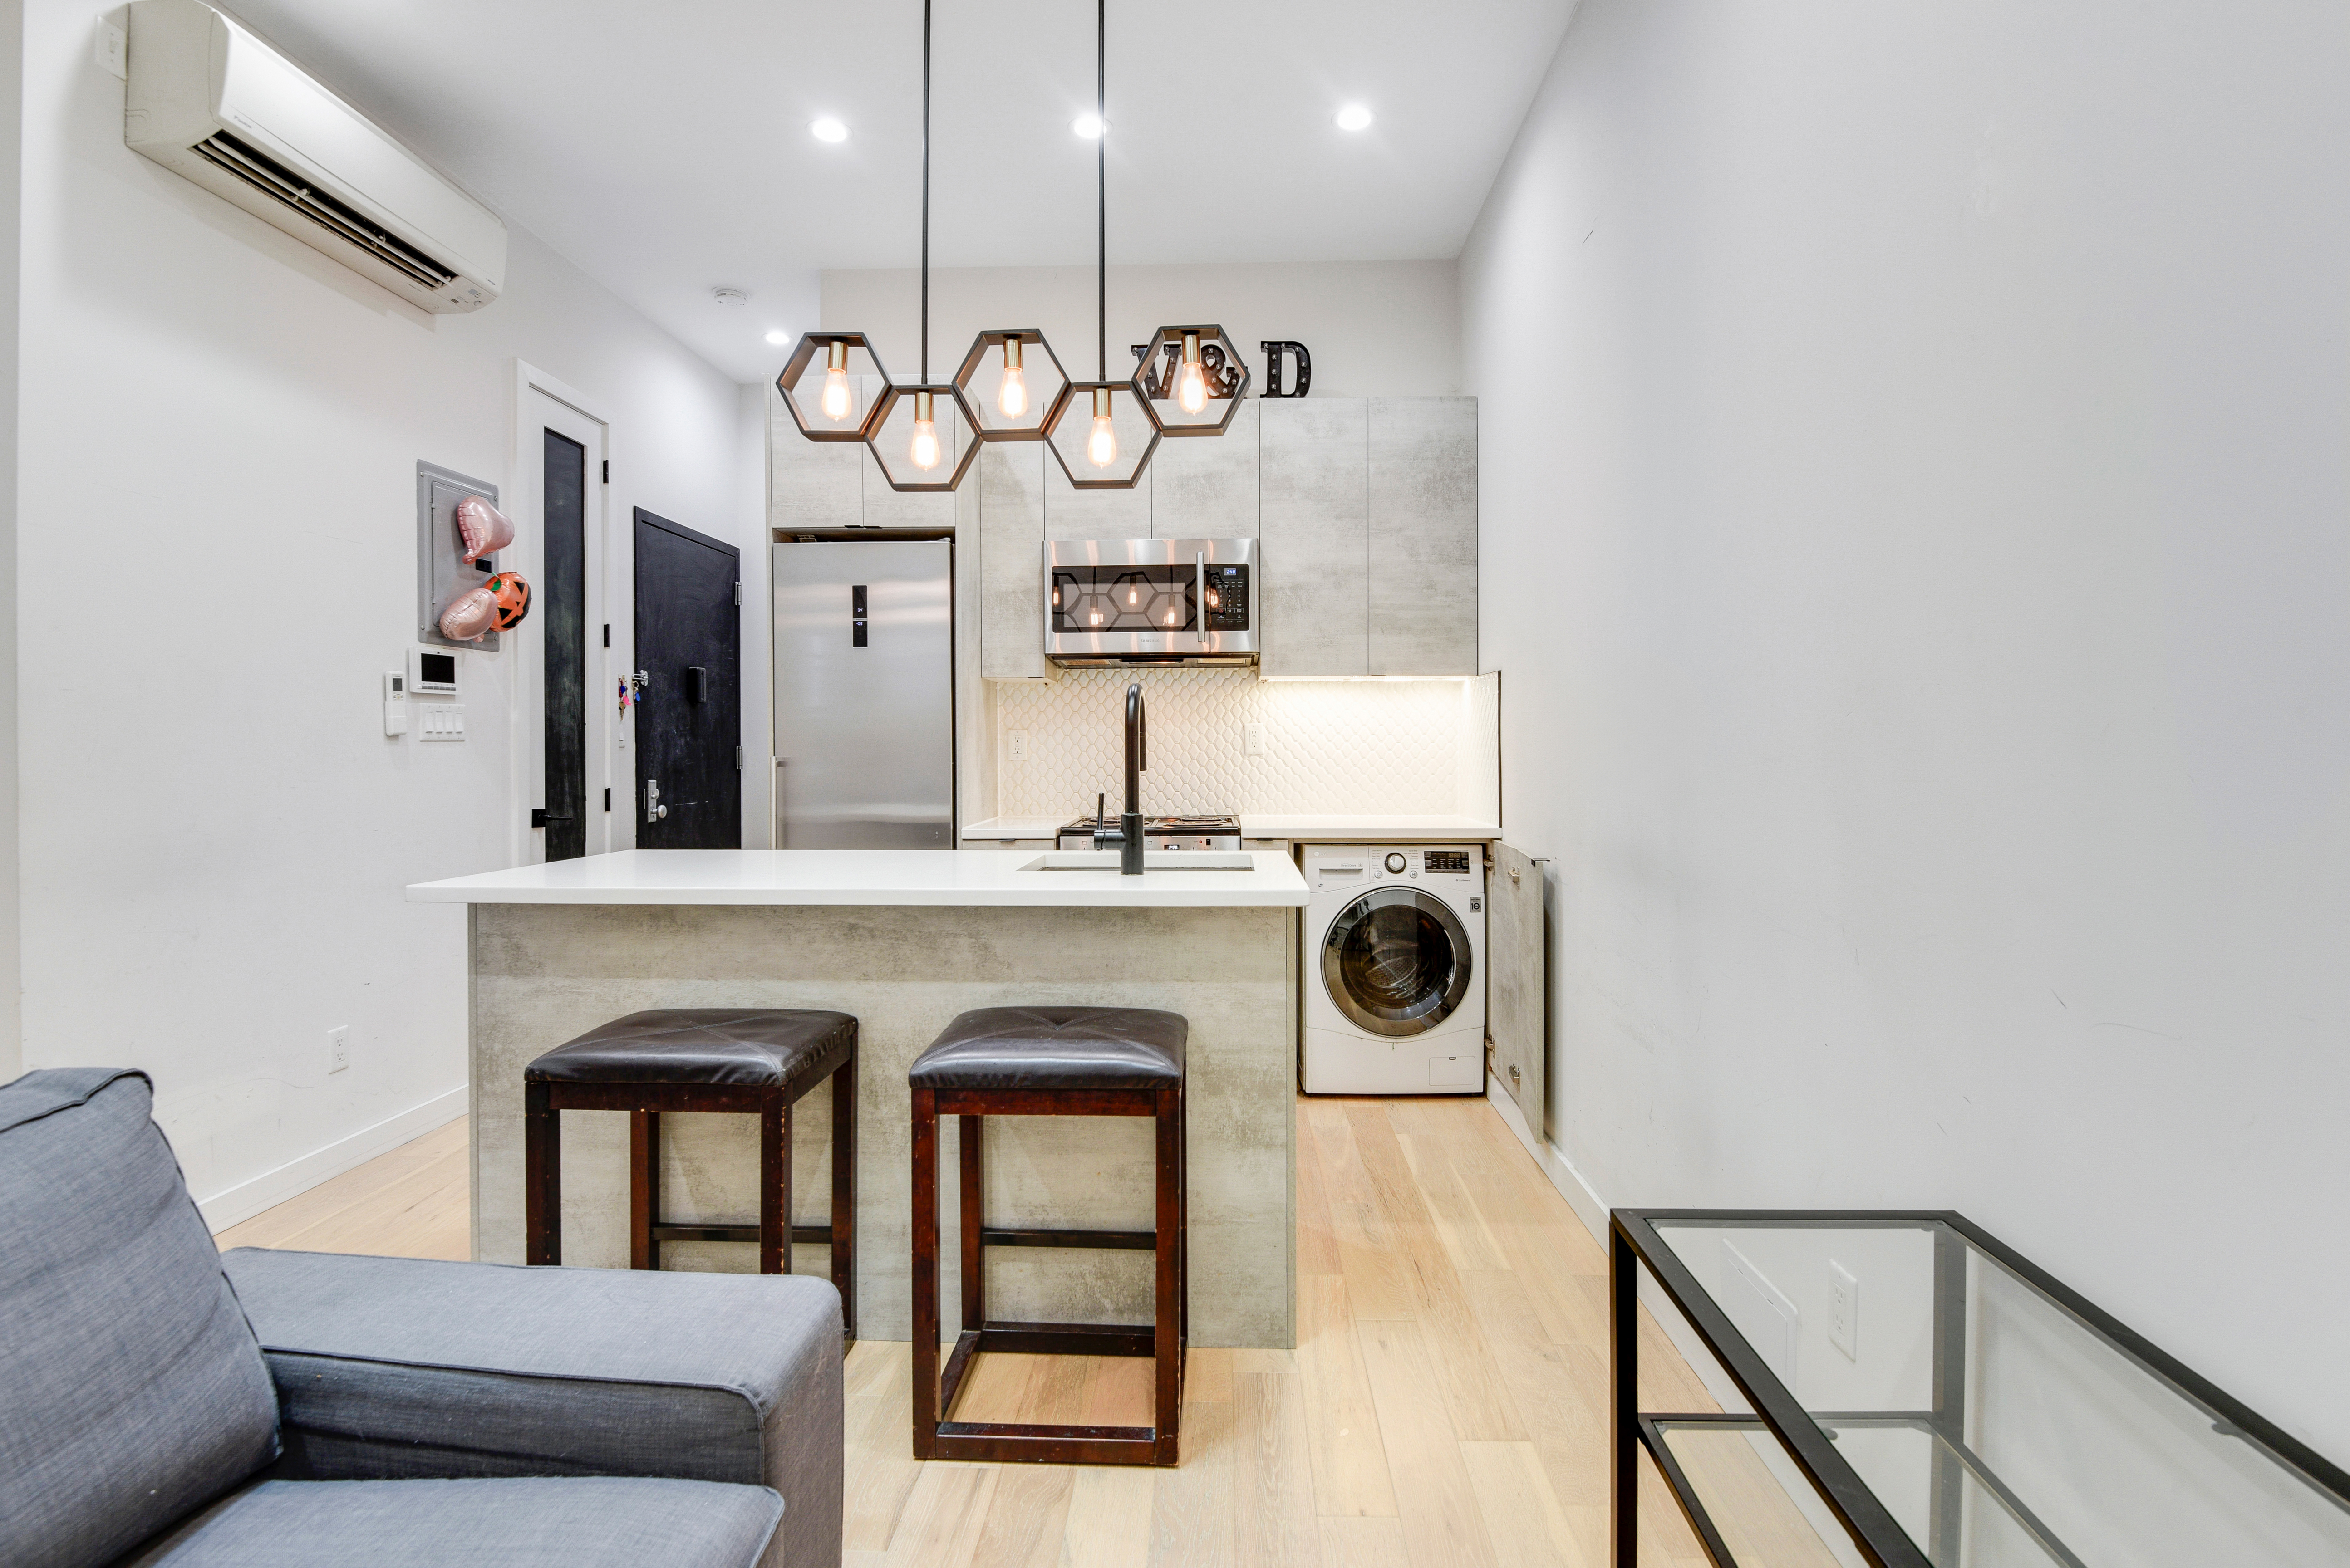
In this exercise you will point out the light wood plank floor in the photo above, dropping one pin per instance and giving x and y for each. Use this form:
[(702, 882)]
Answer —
[(1446, 1407)]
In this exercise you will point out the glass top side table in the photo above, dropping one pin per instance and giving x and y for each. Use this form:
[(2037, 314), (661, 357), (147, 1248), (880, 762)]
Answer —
[(1920, 1396)]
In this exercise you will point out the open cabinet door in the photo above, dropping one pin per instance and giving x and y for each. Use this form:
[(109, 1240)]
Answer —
[(1515, 990)]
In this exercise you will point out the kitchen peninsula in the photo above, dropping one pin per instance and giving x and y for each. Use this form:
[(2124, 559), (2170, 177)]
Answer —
[(905, 939)]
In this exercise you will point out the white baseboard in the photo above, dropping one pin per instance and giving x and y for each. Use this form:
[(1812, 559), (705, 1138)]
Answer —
[(1592, 1210), (1586, 1204), (247, 1199)]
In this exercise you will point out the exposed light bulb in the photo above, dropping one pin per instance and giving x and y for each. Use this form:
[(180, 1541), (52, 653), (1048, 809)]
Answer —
[(835, 400), (924, 448), (1191, 381), (1101, 446), (1132, 595), (1012, 398)]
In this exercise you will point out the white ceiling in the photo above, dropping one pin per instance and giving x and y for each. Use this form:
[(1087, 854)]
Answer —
[(664, 147)]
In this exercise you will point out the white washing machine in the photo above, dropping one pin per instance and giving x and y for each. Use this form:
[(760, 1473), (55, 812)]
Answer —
[(1394, 970)]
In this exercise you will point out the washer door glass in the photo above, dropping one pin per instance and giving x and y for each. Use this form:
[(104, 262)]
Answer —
[(1396, 961)]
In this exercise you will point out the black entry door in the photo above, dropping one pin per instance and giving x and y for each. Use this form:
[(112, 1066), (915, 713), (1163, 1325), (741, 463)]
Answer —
[(563, 600), (690, 717)]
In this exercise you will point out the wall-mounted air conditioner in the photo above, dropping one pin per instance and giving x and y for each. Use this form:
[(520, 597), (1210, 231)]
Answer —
[(210, 101)]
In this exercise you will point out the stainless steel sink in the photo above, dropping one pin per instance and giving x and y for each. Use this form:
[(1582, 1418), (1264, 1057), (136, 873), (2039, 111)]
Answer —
[(1165, 861)]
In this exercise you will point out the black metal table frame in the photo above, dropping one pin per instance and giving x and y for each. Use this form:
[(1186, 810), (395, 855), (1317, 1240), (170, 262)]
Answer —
[(1879, 1537)]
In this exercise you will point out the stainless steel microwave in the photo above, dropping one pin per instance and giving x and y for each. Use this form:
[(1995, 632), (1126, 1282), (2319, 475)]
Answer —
[(1152, 601)]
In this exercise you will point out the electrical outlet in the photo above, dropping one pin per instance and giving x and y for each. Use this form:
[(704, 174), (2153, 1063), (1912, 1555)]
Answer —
[(1016, 744), (1844, 1310), (338, 1048), (112, 50), (1253, 740)]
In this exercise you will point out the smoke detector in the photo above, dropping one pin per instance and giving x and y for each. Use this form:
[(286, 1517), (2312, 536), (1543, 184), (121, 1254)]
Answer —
[(730, 296)]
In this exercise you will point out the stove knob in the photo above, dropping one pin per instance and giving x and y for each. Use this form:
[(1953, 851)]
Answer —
[(1395, 863)]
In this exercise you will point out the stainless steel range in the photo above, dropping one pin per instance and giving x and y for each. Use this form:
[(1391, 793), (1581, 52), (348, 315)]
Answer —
[(1162, 832)]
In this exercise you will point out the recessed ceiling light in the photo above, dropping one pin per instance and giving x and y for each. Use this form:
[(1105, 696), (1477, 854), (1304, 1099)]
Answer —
[(1354, 116), (732, 297), (1088, 126), (779, 338), (829, 129)]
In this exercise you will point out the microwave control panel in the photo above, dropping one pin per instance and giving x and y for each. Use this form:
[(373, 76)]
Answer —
[(1228, 598)]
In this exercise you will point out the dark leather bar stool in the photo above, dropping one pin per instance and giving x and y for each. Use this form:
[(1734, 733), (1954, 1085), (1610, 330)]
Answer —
[(1048, 1062), (755, 1060)]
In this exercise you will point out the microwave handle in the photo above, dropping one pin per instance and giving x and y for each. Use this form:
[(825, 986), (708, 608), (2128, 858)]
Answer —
[(1199, 591)]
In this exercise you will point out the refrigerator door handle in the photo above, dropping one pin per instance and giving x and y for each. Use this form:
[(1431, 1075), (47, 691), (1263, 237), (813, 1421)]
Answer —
[(1199, 591)]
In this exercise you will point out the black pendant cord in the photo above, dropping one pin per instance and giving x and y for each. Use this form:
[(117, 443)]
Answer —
[(926, 192), (1101, 192)]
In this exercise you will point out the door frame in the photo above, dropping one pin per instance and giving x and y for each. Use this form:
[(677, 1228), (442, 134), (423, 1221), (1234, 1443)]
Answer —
[(606, 565)]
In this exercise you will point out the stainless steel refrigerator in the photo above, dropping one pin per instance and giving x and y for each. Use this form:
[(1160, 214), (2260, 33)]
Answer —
[(864, 694)]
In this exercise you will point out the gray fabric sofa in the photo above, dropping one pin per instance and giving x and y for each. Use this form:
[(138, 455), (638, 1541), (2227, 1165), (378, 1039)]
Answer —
[(161, 1405)]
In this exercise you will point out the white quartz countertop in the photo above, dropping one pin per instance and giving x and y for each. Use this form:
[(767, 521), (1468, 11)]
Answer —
[(1314, 827), (870, 877), (1297, 826)]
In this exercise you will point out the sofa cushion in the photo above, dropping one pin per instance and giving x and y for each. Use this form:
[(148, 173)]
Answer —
[(402, 1366), (554, 1523), (131, 1389)]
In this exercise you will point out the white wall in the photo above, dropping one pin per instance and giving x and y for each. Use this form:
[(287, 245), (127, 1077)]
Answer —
[(1376, 330), (1914, 534), (217, 559), (12, 37)]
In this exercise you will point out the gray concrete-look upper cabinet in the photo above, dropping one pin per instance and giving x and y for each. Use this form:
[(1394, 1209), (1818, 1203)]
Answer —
[(1314, 515), (1074, 514), (1205, 487), (1010, 478), (813, 484), (1423, 536)]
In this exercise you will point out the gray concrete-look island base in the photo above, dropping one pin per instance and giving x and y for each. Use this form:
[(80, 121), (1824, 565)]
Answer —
[(905, 939)]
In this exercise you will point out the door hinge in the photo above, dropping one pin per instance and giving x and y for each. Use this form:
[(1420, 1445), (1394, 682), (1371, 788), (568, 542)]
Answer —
[(738, 590), (608, 470), (607, 634), (608, 797), (738, 759)]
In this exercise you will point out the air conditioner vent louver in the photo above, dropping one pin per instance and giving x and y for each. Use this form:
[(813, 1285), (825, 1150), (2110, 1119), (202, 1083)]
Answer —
[(274, 182)]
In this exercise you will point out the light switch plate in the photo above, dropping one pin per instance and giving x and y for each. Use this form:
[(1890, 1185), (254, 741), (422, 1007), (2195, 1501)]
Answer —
[(112, 50), (1844, 1310), (439, 721)]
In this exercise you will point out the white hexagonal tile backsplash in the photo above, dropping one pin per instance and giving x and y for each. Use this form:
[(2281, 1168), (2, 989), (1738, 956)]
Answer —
[(1400, 747)]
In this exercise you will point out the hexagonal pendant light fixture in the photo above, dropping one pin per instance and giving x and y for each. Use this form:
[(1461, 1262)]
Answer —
[(1192, 380), (1014, 382), (1106, 445), (833, 385), (1010, 385)]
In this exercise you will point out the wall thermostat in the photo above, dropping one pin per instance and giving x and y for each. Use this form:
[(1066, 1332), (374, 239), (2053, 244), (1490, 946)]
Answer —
[(395, 702), (432, 671)]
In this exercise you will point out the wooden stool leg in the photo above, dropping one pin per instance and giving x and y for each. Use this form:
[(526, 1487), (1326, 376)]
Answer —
[(775, 1185), (1167, 1344), (644, 1188), (925, 1281), (973, 1192), (844, 1191), (542, 1159)]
